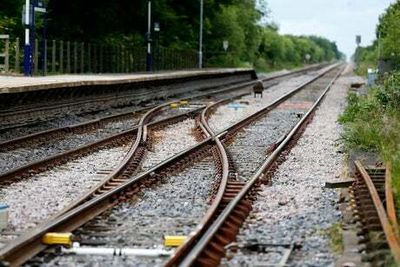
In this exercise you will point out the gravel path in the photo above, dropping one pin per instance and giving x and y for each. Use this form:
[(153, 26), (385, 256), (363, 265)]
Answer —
[(297, 207), (35, 199), (18, 157), (173, 208)]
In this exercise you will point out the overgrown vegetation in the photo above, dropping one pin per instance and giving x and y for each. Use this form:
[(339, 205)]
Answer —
[(372, 120), (252, 41), (335, 234)]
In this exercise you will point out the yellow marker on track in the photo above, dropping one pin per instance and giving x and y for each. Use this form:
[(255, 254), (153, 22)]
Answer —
[(174, 105), (174, 240), (57, 239)]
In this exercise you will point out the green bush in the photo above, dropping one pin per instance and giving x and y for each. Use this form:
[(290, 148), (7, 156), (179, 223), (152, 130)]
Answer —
[(372, 122)]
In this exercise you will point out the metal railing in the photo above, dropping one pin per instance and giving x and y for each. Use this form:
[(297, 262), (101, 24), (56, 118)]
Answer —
[(68, 57)]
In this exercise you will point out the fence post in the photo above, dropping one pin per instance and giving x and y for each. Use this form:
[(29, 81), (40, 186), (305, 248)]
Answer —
[(45, 58), (82, 58), (112, 58), (68, 57), (89, 58), (75, 57), (7, 55), (53, 57), (101, 58), (95, 59), (36, 58), (16, 62), (62, 56), (122, 59)]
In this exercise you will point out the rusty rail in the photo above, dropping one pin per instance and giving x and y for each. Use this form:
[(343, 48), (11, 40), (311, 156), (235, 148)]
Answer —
[(390, 204), (387, 227)]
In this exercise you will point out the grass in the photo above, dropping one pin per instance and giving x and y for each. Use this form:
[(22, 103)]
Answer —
[(336, 238), (372, 122)]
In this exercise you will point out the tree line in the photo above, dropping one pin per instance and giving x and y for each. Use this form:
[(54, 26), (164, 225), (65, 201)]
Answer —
[(386, 46), (252, 41)]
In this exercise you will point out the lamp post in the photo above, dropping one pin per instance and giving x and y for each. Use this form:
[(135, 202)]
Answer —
[(201, 35), (149, 63)]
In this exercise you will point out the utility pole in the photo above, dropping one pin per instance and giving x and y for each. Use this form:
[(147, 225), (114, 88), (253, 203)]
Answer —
[(201, 35), (149, 60)]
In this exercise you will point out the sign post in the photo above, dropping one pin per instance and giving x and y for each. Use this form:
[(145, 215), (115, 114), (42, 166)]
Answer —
[(149, 60), (201, 35), (225, 45), (358, 40), (28, 15)]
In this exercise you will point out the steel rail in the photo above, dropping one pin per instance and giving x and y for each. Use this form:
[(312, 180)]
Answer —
[(33, 248), (78, 103), (212, 210), (106, 98), (79, 127), (390, 232), (390, 204), (54, 158), (11, 174), (92, 192), (60, 157), (194, 255), (76, 127), (29, 244), (230, 88)]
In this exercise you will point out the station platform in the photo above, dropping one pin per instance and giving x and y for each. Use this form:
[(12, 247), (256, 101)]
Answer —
[(18, 84)]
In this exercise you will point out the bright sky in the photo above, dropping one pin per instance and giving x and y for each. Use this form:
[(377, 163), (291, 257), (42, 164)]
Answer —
[(337, 20)]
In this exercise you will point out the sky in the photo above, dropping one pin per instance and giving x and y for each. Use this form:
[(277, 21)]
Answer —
[(337, 20)]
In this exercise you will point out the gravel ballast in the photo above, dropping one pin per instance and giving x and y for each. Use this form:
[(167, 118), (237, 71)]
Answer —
[(168, 142), (18, 157), (228, 114), (296, 207), (36, 199), (175, 207)]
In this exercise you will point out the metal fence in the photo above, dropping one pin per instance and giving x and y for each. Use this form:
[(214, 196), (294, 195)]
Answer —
[(64, 57)]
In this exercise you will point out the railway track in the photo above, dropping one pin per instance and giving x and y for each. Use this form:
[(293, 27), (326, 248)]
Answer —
[(234, 198), (38, 121), (373, 207), (35, 150), (30, 243)]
